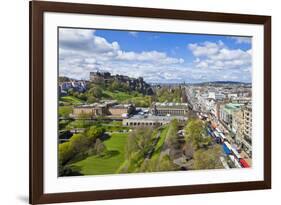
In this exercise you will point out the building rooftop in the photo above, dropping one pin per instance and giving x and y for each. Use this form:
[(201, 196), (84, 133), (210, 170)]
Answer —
[(102, 104), (90, 105), (155, 118), (122, 106), (170, 104), (232, 107)]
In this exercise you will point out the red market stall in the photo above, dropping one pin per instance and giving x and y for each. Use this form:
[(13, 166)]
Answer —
[(244, 163)]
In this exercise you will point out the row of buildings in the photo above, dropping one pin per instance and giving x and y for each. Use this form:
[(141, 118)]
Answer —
[(238, 119), (157, 115), (227, 105)]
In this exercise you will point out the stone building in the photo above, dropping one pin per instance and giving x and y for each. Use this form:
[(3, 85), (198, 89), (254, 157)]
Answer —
[(227, 112), (173, 109), (100, 77), (238, 119), (238, 126), (89, 111), (151, 120), (107, 108), (247, 131), (122, 110)]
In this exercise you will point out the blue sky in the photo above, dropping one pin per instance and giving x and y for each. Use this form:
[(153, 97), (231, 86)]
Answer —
[(158, 57)]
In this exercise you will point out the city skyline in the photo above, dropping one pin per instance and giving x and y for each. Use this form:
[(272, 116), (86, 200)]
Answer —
[(157, 57), (160, 83)]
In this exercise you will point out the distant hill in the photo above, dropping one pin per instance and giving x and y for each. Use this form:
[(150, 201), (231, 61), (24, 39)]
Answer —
[(222, 82)]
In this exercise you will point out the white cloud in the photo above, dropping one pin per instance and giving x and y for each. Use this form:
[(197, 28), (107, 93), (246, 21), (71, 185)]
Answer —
[(205, 49), (75, 35), (240, 40), (197, 60), (228, 54), (217, 55), (84, 41), (101, 45), (81, 51), (150, 56), (133, 33), (216, 58), (202, 64)]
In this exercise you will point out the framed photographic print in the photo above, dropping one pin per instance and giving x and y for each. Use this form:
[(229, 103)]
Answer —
[(138, 102)]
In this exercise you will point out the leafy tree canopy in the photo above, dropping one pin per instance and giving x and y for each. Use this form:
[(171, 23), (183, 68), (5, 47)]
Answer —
[(208, 159), (196, 134)]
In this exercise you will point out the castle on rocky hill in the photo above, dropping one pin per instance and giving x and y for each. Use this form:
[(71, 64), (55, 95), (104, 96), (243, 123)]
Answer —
[(137, 84)]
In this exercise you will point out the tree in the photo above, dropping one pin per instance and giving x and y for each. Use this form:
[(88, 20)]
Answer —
[(115, 85), (195, 134), (82, 96), (65, 153), (166, 164), (208, 159), (95, 91), (65, 111), (91, 99), (100, 148), (79, 143), (70, 91), (94, 132), (169, 94), (76, 94), (139, 141), (188, 151), (69, 171), (172, 132)]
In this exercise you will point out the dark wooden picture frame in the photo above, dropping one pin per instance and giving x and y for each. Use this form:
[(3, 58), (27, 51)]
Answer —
[(37, 9)]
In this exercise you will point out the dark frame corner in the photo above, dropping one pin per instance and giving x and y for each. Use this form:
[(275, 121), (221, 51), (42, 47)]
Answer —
[(37, 8)]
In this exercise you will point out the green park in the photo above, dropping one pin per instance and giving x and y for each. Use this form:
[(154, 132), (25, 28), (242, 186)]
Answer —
[(101, 146)]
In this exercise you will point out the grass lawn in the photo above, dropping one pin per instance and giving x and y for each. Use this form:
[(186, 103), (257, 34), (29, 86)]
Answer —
[(109, 164), (140, 101), (160, 143), (118, 95), (71, 99)]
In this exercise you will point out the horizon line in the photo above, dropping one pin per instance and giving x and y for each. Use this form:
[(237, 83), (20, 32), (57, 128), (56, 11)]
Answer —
[(215, 81)]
